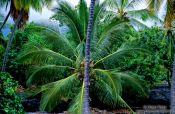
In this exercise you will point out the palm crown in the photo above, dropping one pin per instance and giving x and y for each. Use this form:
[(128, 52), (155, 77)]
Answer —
[(16, 6), (137, 11), (59, 58)]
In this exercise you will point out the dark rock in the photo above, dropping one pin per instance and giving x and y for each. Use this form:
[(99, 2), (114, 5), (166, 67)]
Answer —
[(160, 95), (31, 105)]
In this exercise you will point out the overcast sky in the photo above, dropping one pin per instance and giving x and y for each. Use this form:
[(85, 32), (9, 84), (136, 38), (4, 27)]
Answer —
[(46, 13)]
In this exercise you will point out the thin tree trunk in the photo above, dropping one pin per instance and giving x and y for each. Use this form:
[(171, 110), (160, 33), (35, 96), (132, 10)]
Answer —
[(4, 22), (168, 77), (86, 108), (173, 89), (5, 59)]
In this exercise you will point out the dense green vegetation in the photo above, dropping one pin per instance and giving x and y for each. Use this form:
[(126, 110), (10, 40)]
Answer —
[(50, 62), (10, 102)]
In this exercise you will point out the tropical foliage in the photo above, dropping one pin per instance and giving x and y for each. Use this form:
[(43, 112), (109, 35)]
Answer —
[(62, 65), (48, 58), (10, 102), (136, 11)]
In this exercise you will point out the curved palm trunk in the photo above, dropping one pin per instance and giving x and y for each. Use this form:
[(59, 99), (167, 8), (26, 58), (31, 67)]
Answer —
[(173, 89), (5, 59), (86, 108), (6, 18)]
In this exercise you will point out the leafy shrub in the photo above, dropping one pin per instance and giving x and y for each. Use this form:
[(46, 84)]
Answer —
[(10, 102), (152, 68)]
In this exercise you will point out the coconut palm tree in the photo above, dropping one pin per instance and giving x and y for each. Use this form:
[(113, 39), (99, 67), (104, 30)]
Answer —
[(17, 5), (62, 66), (86, 107), (135, 10), (19, 10), (2, 3)]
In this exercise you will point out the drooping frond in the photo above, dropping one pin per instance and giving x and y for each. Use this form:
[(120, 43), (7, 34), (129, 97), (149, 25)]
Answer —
[(100, 10), (107, 77), (47, 73), (116, 23), (110, 60), (42, 56), (110, 84), (81, 53), (76, 105), (135, 10), (59, 44), (109, 88), (67, 15), (56, 92), (50, 35), (35, 4), (129, 79)]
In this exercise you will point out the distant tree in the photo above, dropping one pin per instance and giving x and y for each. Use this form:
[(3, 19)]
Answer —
[(134, 10), (19, 10)]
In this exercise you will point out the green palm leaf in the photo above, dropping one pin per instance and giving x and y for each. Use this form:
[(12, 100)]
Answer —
[(56, 92), (109, 89), (76, 104), (42, 56), (130, 80), (115, 24), (67, 15), (47, 73), (124, 51)]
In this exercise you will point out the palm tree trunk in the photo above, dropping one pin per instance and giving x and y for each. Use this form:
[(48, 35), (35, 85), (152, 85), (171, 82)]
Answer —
[(173, 89), (86, 108), (6, 18), (5, 59)]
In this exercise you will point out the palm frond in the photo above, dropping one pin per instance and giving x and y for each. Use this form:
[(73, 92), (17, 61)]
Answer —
[(56, 92), (106, 76), (47, 73), (81, 53), (83, 15), (42, 56), (101, 15), (60, 44), (139, 24), (50, 38), (107, 87), (124, 51), (115, 24), (67, 15), (129, 79), (76, 104), (100, 9), (110, 83), (131, 5), (114, 3)]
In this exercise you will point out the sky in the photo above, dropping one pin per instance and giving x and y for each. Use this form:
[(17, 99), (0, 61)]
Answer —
[(37, 16), (45, 14)]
